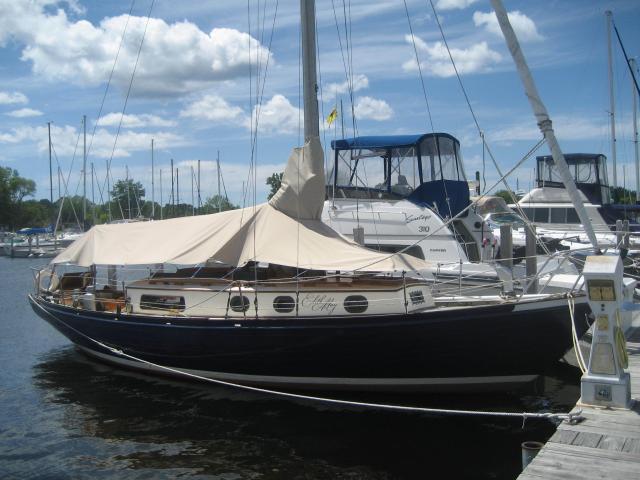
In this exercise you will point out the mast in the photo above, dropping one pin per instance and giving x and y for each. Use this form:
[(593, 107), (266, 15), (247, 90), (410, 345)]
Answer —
[(218, 171), (309, 81), (173, 203), (634, 92), (128, 192), (612, 103), (84, 174), (178, 187), (93, 197), (542, 116), (153, 186), (50, 166), (193, 199), (108, 191), (161, 216), (199, 196)]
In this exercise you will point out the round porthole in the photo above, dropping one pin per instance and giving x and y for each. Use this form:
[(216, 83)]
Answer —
[(284, 304), (239, 303), (356, 304)]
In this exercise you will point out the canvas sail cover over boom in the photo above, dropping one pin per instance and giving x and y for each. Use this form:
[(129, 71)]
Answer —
[(286, 231)]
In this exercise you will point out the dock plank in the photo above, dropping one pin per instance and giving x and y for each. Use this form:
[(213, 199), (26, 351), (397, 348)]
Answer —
[(605, 445)]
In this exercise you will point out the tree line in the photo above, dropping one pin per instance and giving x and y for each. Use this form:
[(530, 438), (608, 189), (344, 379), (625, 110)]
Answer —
[(127, 201)]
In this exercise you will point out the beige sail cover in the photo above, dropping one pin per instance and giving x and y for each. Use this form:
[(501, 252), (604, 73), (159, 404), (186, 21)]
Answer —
[(230, 237), (301, 194), (270, 232)]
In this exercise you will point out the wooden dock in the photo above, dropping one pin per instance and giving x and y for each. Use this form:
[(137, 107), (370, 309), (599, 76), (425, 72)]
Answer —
[(605, 445)]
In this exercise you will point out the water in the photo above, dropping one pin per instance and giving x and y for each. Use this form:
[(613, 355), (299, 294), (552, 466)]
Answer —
[(65, 416)]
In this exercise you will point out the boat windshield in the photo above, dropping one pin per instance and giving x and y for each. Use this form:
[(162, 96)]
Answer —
[(507, 219), (588, 170), (393, 167), (585, 168)]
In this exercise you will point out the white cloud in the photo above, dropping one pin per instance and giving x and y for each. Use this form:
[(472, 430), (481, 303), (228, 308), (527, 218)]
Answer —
[(65, 137), (475, 59), (176, 58), (276, 116), (214, 109), (523, 26), (359, 82), (566, 127), (10, 98), (24, 112), (372, 108), (454, 4), (134, 121)]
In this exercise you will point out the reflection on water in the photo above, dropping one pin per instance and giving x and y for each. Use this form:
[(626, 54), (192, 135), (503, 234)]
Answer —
[(64, 416), (171, 428)]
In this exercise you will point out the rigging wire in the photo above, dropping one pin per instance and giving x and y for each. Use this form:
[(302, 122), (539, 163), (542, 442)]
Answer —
[(126, 100), (106, 90), (481, 133), (415, 50)]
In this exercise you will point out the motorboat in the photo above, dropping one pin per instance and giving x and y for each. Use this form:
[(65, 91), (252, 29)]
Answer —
[(409, 193), (549, 207)]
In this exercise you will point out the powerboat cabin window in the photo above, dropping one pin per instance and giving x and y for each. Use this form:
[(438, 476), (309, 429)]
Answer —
[(572, 216), (541, 215), (558, 215)]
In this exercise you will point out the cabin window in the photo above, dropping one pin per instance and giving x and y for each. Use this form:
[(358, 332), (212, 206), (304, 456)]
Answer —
[(284, 304), (572, 216), (356, 304), (541, 215), (558, 215), (239, 303), (528, 212), (162, 302)]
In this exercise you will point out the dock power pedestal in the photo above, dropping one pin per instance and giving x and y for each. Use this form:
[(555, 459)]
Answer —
[(606, 383)]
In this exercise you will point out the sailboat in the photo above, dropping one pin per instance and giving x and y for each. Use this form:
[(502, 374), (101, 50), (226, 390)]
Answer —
[(270, 295)]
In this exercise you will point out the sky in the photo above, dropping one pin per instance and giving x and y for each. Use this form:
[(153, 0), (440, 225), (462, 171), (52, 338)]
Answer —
[(195, 76)]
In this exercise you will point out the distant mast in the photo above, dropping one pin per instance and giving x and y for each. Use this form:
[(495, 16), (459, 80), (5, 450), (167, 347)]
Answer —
[(153, 185), (612, 100), (218, 171), (50, 165), (542, 117), (84, 174), (634, 92)]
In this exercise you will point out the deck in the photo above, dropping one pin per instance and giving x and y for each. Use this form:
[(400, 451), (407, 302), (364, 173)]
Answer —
[(604, 445)]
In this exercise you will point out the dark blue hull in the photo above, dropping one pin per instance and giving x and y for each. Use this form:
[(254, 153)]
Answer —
[(471, 342)]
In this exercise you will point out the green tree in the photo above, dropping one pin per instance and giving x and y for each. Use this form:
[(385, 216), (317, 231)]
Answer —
[(13, 189), (507, 196), (127, 196), (274, 181), (623, 196), (218, 203)]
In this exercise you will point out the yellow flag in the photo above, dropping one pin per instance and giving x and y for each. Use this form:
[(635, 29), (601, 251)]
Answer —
[(332, 116)]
